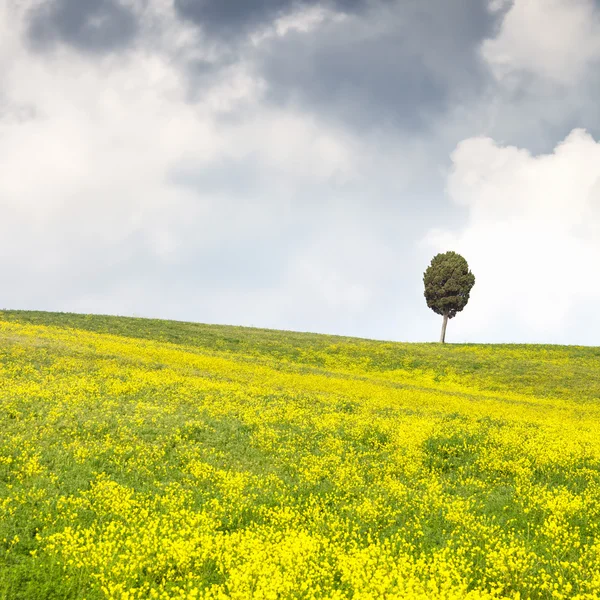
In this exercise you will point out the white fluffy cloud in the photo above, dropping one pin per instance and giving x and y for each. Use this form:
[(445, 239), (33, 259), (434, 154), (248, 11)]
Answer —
[(532, 237), (555, 39)]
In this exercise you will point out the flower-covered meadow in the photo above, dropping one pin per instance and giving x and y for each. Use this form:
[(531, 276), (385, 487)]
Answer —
[(147, 459)]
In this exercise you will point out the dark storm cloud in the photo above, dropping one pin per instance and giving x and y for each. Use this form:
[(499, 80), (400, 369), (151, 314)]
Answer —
[(396, 66), (362, 83), (89, 25), (230, 18)]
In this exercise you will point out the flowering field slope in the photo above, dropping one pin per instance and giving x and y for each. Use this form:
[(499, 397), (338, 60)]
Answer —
[(149, 459)]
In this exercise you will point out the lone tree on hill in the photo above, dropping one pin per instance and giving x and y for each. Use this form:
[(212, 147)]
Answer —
[(448, 283)]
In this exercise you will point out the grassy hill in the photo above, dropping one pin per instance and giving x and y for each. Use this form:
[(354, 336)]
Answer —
[(156, 459)]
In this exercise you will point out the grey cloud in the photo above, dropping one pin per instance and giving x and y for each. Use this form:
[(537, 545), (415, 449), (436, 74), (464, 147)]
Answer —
[(96, 26), (230, 18), (397, 68), (534, 114), (361, 84)]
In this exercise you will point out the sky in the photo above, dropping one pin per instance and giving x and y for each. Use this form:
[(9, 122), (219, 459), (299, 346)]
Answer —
[(295, 164)]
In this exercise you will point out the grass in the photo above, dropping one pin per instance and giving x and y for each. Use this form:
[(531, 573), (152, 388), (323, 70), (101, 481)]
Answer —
[(156, 459)]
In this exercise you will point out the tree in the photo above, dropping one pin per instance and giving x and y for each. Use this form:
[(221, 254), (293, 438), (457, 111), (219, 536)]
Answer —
[(448, 283)]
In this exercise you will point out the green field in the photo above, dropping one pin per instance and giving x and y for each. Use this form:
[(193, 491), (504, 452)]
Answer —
[(156, 459)]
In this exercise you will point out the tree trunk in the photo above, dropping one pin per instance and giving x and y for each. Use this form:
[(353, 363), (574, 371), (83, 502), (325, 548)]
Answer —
[(443, 336)]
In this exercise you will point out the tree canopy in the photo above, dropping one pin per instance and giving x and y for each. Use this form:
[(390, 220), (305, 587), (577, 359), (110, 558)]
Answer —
[(448, 283)]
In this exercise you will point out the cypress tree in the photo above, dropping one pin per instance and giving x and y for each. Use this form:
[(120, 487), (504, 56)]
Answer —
[(448, 283)]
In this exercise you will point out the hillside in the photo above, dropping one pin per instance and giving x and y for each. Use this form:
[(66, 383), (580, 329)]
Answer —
[(156, 459)]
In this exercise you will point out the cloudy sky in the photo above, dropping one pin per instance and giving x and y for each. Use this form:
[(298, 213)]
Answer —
[(295, 164)]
